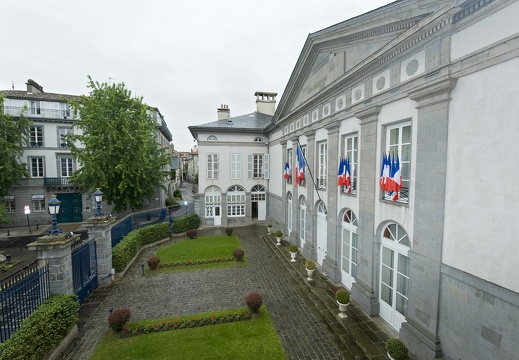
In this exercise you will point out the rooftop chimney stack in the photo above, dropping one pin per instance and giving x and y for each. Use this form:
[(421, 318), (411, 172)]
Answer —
[(33, 87), (223, 112), (265, 102)]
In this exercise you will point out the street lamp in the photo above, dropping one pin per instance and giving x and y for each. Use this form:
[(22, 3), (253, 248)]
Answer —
[(53, 210), (185, 203), (98, 196)]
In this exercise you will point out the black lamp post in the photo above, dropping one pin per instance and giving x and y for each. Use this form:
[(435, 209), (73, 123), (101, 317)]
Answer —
[(185, 203), (98, 196), (53, 209)]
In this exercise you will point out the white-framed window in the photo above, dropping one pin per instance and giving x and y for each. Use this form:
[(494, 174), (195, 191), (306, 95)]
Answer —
[(289, 212), (394, 274), (36, 136), (258, 166), (10, 203), (236, 166), (212, 166), (38, 203), (62, 132), (351, 151), (236, 199), (212, 138), (349, 256), (64, 110), (398, 142), (67, 167), (37, 167), (258, 193), (213, 199), (35, 107), (321, 164), (302, 219)]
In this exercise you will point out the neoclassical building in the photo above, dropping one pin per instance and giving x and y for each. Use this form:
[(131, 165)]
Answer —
[(432, 82)]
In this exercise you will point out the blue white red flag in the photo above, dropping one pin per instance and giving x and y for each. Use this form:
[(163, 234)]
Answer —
[(385, 172), (286, 173), (300, 165), (347, 175), (341, 173), (396, 178)]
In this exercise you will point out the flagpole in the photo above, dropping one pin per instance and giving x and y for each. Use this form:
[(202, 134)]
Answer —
[(310, 171)]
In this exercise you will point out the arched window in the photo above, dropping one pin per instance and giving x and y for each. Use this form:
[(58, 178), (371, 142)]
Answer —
[(302, 219), (236, 201), (212, 138), (322, 232), (349, 253), (213, 198), (394, 274), (289, 212)]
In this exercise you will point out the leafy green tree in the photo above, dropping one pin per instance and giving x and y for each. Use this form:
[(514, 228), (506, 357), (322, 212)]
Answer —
[(117, 146), (14, 133)]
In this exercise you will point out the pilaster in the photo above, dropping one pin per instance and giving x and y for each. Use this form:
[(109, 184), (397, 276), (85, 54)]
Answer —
[(310, 248)]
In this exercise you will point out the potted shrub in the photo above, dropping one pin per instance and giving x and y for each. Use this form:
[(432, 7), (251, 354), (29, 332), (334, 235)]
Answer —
[(228, 231), (238, 254), (118, 318), (310, 268), (254, 301), (293, 252), (278, 234), (269, 228), (396, 349), (343, 300), (153, 262)]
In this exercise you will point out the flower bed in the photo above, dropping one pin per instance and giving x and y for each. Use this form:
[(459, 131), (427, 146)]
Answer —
[(197, 262), (196, 321)]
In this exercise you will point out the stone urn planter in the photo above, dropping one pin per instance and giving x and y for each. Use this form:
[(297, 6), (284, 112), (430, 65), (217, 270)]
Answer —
[(293, 252), (269, 228), (343, 300), (278, 234), (310, 268), (396, 349)]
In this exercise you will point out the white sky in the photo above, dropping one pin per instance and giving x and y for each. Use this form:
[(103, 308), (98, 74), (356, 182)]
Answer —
[(184, 57)]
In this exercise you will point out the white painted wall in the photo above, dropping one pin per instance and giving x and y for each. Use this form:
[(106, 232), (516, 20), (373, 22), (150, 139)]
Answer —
[(277, 166), (486, 32), (482, 196)]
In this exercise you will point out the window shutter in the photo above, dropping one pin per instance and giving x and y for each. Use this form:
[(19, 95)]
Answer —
[(266, 172), (209, 166), (249, 166), (238, 166)]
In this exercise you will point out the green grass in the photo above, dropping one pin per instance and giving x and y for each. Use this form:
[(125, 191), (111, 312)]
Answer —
[(251, 339), (207, 247)]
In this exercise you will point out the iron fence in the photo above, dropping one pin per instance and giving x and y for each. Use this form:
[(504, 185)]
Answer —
[(20, 295)]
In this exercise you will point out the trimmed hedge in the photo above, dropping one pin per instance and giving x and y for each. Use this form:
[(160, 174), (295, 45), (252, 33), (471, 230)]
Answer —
[(128, 247), (43, 330), (185, 223)]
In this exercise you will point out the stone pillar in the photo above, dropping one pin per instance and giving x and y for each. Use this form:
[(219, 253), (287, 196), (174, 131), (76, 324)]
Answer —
[(284, 187), (310, 249), (363, 290), (295, 201), (333, 242), (56, 251), (100, 229), (421, 329)]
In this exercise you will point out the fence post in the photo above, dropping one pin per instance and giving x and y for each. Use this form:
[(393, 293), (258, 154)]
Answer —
[(100, 230), (56, 251)]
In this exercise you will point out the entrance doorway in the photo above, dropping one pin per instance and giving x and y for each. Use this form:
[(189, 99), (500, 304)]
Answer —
[(71, 208)]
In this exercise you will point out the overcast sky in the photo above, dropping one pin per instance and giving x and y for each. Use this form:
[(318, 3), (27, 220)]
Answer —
[(184, 57)]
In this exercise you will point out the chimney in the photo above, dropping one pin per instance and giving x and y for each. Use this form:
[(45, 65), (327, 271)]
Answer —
[(265, 102), (223, 112), (33, 87)]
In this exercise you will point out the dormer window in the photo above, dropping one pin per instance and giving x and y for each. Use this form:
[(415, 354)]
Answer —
[(212, 138), (258, 139)]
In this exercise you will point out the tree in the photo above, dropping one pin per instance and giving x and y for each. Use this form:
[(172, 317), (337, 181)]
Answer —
[(116, 147), (14, 133)]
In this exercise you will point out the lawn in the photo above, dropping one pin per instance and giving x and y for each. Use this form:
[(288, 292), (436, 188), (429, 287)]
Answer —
[(250, 339), (202, 248)]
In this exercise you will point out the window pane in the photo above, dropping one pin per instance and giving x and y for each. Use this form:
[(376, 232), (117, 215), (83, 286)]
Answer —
[(402, 285), (393, 137), (406, 153), (387, 276), (403, 264), (401, 304), (387, 257), (406, 134), (386, 294)]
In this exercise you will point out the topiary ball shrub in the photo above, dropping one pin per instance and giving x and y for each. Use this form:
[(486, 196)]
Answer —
[(293, 248), (118, 318), (238, 254), (192, 233), (254, 301), (396, 348), (228, 231), (153, 262)]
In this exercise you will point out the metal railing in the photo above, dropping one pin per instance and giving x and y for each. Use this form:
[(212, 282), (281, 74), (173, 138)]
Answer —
[(54, 181), (20, 295), (39, 112)]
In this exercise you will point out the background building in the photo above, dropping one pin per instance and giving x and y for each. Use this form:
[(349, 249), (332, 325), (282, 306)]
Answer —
[(50, 162)]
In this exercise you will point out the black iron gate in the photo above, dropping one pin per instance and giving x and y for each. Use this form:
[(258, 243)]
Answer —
[(84, 269)]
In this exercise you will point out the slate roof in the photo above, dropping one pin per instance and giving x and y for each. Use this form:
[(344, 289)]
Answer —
[(253, 122), (44, 96)]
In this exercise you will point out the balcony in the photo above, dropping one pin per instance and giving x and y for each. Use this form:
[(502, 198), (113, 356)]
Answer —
[(39, 112), (57, 181)]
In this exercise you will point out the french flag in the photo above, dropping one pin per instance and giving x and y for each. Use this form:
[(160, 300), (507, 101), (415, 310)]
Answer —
[(300, 165), (286, 173), (341, 174), (385, 172), (347, 175), (396, 178)]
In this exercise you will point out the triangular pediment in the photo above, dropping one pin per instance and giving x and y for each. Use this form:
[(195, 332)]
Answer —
[(331, 54)]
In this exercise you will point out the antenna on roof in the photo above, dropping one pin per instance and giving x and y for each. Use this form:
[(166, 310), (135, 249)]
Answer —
[(12, 82), (110, 80)]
